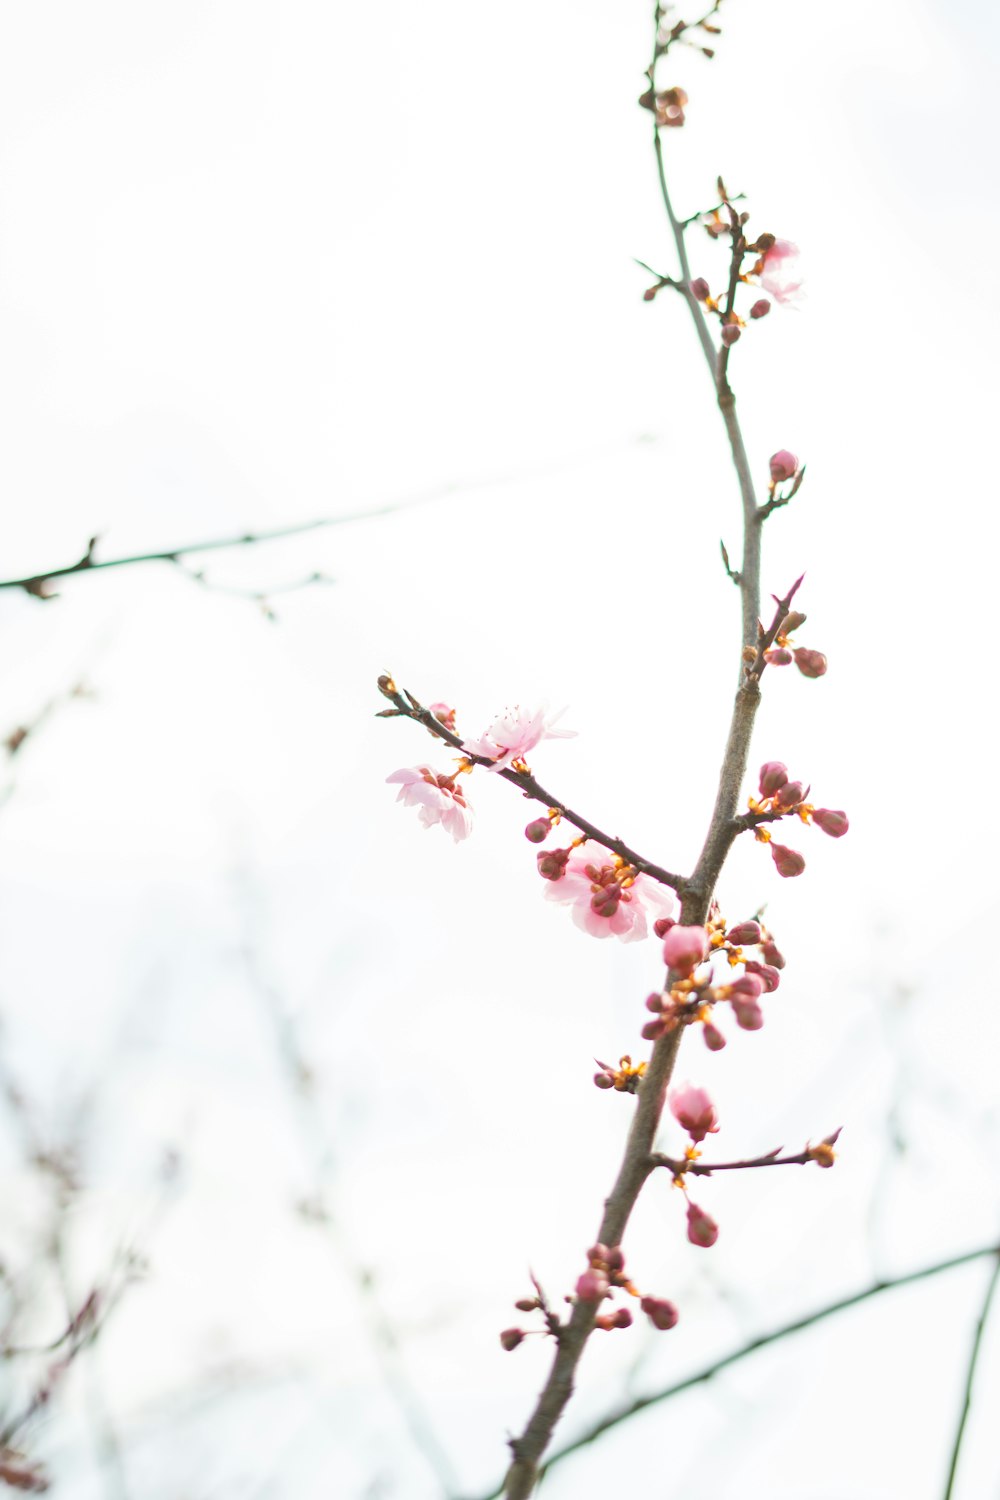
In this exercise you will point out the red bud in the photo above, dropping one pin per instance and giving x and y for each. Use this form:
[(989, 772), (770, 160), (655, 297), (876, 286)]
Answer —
[(773, 776), (831, 822), (810, 663), (760, 309), (788, 862)]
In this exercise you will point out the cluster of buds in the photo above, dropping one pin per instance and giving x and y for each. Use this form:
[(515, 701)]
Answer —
[(666, 105), (781, 797), (781, 653), (697, 987), (605, 1275), (626, 1078), (772, 267)]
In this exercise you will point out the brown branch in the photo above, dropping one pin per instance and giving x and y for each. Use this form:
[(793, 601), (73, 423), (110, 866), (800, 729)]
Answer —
[(752, 1346), (408, 707), (692, 1166), (970, 1375)]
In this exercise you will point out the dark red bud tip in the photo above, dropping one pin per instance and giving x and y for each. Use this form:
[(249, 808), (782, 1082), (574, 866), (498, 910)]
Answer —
[(699, 288), (661, 1313), (714, 1039), (702, 1228), (789, 796), (552, 863), (760, 309), (731, 332), (831, 822), (772, 954), (510, 1338), (744, 932), (773, 776), (768, 976), (810, 663), (650, 293), (783, 465), (662, 925), (787, 862), (538, 831)]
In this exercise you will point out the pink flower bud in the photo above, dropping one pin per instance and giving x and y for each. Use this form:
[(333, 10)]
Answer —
[(552, 863), (831, 822), (538, 831), (792, 621), (730, 333), (693, 1108), (789, 796), (650, 293), (778, 656), (510, 1338), (604, 1080), (620, 1319), (699, 288), (714, 1039), (654, 1002), (744, 932), (684, 948), (748, 987), (653, 1030), (614, 1258), (760, 309), (661, 1313), (662, 925), (592, 1286), (702, 1229), (784, 465), (810, 663), (748, 1013), (597, 1253), (787, 862), (769, 977), (527, 1304), (623, 1318), (773, 775), (444, 715), (772, 954)]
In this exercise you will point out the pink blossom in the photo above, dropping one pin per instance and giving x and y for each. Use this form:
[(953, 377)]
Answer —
[(516, 731), (684, 948), (439, 797), (693, 1108), (778, 274), (607, 896)]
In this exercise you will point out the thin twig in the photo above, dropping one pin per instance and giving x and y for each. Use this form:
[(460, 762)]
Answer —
[(970, 1376), (408, 707)]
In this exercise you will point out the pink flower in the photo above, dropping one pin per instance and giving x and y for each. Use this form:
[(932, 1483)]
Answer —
[(439, 798), (684, 948), (778, 273), (516, 731), (693, 1108), (607, 896)]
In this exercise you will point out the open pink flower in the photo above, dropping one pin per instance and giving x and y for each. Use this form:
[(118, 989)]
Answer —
[(608, 898), (440, 799), (692, 1107), (779, 273), (516, 731)]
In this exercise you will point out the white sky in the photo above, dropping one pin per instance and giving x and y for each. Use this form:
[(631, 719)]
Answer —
[(263, 263)]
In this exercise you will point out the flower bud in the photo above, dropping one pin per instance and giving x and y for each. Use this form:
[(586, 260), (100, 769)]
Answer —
[(744, 932), (699, 288), (714, 1039), (784, 465), (623, 1318), (693, 1108), (597, 1253), (760, 308), (748, 1013), (769, 978), (592, 1286), (444, 715), (661, 1313), (684, 948), (620, 1319), (510, 1338), (772, 954), (810, 663), (702, 1228), (650, 292), (604, 1080), (653, 1030), (787, 862), (778, 656), (831, 822), (615, 1258), (730, 333), (605, 901), (747, 987), (552, 863), (527, 1304), (538, 831), (773, 775), (662, 925), (789, 796), (792, 621)]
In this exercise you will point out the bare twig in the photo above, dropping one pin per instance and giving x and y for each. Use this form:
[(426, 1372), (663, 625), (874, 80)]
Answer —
[(970, 1375), (408, 707), (752, 1346)]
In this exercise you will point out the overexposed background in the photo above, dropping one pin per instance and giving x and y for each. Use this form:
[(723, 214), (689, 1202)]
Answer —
[(264, 263)]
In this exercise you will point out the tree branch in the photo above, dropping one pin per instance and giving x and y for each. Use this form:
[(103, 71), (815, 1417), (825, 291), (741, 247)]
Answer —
[(970, 1375)]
